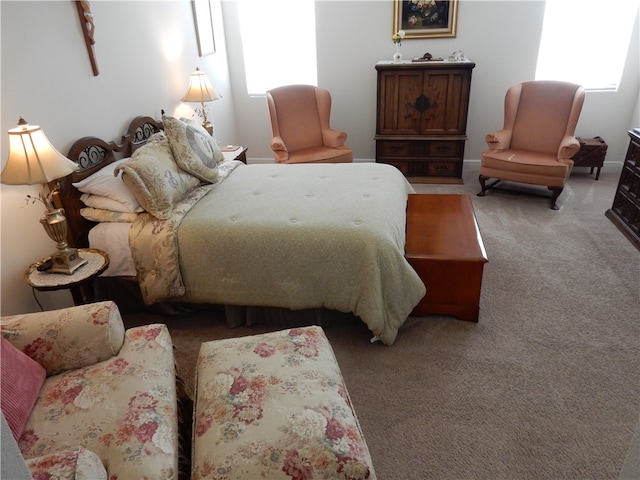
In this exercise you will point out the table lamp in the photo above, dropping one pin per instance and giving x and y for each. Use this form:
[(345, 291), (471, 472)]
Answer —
[(33, 160), (200, 90)]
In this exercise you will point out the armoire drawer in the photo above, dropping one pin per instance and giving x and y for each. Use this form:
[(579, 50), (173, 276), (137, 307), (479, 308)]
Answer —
[(392, 148), (420, 148), (432, 168)]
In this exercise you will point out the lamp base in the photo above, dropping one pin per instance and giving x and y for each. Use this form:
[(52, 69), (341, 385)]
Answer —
[(66, 261), (208, 126)]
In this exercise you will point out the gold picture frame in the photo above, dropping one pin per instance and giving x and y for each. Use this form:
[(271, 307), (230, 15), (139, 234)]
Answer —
[(425, 18), (203, 18)]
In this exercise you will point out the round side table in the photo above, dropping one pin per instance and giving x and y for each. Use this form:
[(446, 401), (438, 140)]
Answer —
[(80, 283)]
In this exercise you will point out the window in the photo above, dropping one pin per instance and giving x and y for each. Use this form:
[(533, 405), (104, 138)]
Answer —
[(586, 41), (279, 43)]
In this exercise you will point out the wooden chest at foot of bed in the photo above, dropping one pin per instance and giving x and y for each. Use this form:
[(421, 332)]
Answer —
[(445, 248)]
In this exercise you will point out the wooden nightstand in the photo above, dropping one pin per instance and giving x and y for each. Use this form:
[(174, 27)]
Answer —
[(80, 283), (235, 152)]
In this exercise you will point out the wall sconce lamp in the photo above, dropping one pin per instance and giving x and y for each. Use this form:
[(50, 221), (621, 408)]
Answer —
[(200, 90), (33, 160)]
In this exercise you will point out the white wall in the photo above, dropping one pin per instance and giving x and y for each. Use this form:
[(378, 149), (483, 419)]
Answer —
[(500, 36), (146, 49)]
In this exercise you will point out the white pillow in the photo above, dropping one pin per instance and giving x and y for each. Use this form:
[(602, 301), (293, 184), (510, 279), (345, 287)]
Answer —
[(106, 183), (106, 203)]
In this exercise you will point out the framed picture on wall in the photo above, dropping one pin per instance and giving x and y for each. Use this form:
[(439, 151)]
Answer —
[(425, 18), (204, 27)]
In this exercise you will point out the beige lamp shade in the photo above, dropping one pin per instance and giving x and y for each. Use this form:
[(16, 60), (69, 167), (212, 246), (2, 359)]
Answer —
[(32, 159), (200, 88)]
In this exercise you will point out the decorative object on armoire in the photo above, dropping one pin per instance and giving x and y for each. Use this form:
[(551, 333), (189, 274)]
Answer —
[(200, 91), (427, 57), (591, 154), (397, 39), (458, 56), (425, 19), (88, 30), (625, 211), (33, 160), (422, 118)]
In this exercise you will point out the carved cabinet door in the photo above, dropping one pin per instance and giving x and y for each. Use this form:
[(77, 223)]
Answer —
[(423, 102), (397, 92), (443, 102)]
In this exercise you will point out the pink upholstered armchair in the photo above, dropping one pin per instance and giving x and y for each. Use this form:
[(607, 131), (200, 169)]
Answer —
[(537, 142), (299, 117)]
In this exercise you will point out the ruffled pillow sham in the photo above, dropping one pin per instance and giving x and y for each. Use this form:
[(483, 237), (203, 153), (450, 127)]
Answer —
[(155, 178), (194, 150)]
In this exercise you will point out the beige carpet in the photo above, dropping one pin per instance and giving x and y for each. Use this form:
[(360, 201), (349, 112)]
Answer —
[(545, 386)]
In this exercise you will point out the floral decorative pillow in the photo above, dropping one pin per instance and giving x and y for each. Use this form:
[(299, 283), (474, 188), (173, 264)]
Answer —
[(195, 151), (155, 178)]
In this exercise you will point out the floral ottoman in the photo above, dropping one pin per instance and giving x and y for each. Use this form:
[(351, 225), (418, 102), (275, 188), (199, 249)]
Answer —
[(275, 406)]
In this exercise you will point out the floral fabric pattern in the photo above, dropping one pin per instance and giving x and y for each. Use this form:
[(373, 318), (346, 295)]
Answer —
[(275, 406), (154, 244), (101, 215), (69, 338), (118, 399), (70, 465)]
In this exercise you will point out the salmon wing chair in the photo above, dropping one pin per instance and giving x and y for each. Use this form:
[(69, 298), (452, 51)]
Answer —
[(537, 142), (299, 117)]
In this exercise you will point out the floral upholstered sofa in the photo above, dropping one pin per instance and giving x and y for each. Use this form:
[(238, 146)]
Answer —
[(86, 399)]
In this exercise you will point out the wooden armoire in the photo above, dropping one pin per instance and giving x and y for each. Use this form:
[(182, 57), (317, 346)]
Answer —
[(421, 122)]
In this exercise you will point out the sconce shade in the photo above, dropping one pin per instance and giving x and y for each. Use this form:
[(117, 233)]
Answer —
[(32, 159), (200, 88)]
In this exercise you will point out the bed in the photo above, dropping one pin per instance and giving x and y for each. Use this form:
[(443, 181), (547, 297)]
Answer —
[(296, 237)]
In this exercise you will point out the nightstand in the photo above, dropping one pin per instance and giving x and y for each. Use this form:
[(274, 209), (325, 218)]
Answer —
[(235, 152), (80, 283)]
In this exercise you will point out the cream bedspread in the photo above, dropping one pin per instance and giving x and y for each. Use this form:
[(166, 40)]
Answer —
[(293, 236)]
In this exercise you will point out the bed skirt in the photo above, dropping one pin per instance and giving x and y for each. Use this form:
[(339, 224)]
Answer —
[(125, 292)]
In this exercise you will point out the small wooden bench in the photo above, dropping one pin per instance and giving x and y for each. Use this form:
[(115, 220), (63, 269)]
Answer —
[(445, 248)]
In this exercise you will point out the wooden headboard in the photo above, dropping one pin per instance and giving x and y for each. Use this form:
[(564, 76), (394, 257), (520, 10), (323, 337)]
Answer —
[(91, 154)]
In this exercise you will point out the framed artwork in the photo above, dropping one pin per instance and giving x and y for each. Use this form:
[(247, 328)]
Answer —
[(204, 27), (425, 18)]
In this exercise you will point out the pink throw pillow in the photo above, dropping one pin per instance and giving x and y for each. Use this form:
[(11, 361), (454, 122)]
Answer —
[(21, 378)]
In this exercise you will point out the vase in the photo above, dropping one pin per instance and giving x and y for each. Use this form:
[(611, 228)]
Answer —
[(397, 56)]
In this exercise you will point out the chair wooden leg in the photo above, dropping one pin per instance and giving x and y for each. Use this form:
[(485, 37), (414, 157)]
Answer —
[(556, 191), (483, 184)]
